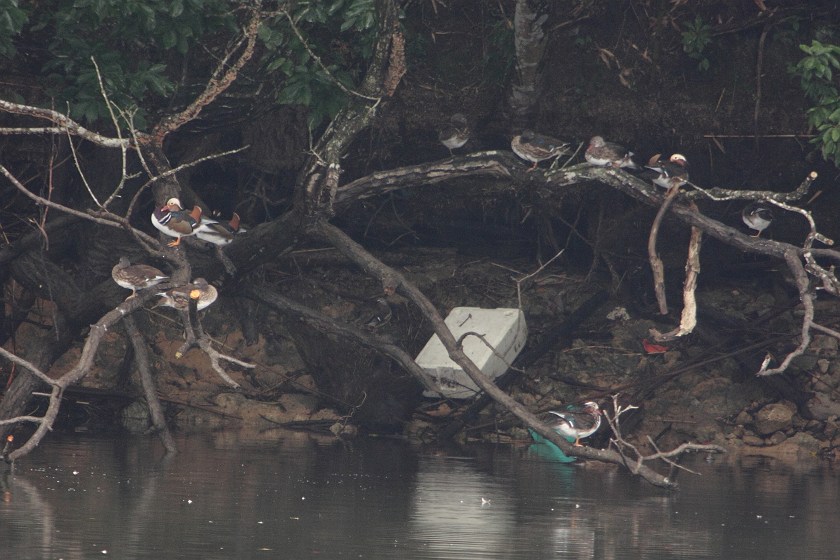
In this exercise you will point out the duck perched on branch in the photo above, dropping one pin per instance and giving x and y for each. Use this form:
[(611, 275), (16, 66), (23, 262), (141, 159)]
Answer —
[(136, 276), (608, 154), (757, 216), (670, 174), (174, 221), (219, 233), (456, 133), (179, 298), (575, 422), (534, 147)]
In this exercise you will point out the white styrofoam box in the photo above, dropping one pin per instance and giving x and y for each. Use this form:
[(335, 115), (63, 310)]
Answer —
[(503, 329)]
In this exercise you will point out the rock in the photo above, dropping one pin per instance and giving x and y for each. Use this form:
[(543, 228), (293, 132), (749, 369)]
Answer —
[(796, 449), (618, 314), (136, 418), (298, 405), (825, 345), (799, 444), (806, 362), (753, 440), (307, 383), (822, 407), (773, 418), (831, 429), (342, 429), (776, 438), (743, 418), (799, 423)]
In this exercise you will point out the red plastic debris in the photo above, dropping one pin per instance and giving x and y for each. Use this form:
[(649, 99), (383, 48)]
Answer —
[(652, 348)]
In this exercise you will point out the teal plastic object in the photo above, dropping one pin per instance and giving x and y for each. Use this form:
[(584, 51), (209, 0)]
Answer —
[(544, 449)]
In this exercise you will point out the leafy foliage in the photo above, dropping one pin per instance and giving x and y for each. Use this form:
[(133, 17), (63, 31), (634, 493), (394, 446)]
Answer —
[(340, 33), (154, 54), (695, 39), (816, 71), (12, 20), (137, 45)]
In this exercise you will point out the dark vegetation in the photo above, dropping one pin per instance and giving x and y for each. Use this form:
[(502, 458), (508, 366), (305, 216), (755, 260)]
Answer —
[(317, 123)]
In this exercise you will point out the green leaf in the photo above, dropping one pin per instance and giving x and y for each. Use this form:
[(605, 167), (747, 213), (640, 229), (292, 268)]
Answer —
[(169, 39), (176, 8), (829, 150)]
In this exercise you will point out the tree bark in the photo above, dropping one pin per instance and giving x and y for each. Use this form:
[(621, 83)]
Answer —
[(529, 43)]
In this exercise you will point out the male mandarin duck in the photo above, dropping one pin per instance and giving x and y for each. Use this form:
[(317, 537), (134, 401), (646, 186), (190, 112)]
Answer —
[(456, 133), (608, 154), (179, 298), (136, 276), (670, 174), (176, 222), (757, 216), (575, 423), (534, 147), (219, 233)]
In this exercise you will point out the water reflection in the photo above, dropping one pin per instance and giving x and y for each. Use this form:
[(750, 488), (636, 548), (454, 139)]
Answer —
[(299, 497)]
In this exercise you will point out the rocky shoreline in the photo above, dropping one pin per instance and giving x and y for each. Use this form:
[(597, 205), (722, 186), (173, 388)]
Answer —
[(702, 389)]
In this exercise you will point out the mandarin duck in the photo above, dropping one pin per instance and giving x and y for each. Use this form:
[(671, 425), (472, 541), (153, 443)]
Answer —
[(608, 154), (534, 147), (179, 297), (575, 422), (670, 174), (757, 216), (380, 315), (456, 133), (176, 222), (136, 276), (219, 233)]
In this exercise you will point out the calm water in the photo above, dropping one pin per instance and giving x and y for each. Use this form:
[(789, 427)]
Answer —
[(298, 498)]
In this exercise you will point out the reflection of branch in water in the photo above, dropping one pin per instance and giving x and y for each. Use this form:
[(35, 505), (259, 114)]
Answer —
[(145, 514), (27, 497)]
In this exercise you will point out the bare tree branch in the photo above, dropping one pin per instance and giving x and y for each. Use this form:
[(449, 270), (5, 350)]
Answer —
[(141, 358), (63, 124), (222, 78)]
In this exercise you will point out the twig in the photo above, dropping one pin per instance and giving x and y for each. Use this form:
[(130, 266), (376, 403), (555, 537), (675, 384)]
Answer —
[(216, 85), (719, 195), (758, 135), (483, 339), (759, 70), (118, 130), (519, 281), (807, 298), (195, 336), (320, 63), (633, 458)]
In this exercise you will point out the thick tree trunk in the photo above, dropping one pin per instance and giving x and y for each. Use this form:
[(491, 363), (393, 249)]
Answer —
[(529, 42)]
